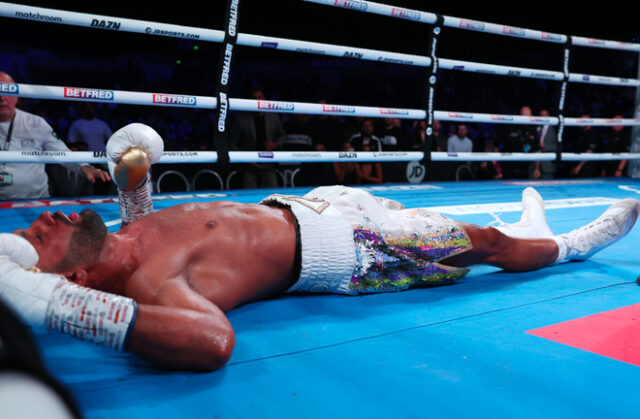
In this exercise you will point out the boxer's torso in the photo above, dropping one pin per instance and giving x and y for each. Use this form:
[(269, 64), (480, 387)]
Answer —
[(228, 253)]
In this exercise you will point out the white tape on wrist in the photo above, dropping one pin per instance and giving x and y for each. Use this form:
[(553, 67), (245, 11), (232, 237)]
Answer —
[(91, 315), (136, 203)]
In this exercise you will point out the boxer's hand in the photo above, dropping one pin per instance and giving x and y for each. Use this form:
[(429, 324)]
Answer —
[(130, 152), (27, 293)]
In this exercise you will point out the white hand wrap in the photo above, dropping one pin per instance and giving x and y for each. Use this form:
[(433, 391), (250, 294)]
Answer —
[(44, 299), (130, 152)]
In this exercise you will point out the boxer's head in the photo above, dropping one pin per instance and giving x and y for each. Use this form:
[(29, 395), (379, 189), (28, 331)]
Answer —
[(66, 243)]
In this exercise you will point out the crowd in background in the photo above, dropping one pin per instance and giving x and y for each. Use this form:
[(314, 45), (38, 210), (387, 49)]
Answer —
[(153, 64), (87, 126)]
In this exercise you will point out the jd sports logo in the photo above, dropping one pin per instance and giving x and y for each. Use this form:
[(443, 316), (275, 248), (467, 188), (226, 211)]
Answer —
[(415, 172)]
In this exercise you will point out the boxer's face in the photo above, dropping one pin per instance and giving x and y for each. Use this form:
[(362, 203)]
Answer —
[(65, 242)]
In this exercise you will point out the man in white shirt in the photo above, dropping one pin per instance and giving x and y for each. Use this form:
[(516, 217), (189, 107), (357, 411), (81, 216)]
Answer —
[(22, 131)]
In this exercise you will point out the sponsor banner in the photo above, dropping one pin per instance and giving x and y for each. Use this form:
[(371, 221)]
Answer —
[(269, 45), (174, 99), (347, 155), (45, 153), (105, 24), (471, 24), (303, 155), (40, 17), (405, 13), (10, 88), (83, 93), (338, 108), (278, 106), (180, 154), (265, 155), (164, 32), (552, 37), (539, 119), (352, 4), (393, 111), (501, 118), (511, 31), (459, 115)]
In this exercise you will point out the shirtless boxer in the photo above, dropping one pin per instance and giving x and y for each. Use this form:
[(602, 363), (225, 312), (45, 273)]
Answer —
[(161, 285)]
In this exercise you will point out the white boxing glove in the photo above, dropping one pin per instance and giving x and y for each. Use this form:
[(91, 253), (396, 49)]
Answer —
[(51, 301), (26, 292), (130, 152)]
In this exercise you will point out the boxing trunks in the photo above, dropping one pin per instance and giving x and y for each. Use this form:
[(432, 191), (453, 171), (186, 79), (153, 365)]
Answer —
[(352, 242)]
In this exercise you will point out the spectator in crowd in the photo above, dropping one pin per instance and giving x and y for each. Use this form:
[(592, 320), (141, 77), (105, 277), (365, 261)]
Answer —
[(88, 129), (23, 131), (392, 139), (489, 169), (519, 139), (66, 182), (548, 144), (346, 172), (460, 143), (588, 142), (368, 172), (419, 136), (257, 131), (615, 141), (366, 137), (439, 170), (390, 134), (327, 131)]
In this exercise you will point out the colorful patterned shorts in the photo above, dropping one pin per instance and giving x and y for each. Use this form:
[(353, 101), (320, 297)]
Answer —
[(396, 248)]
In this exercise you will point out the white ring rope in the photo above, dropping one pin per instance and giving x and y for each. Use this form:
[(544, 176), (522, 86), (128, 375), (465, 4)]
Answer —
[(64, 157), (140, 26), (473, 25), (250, 105)]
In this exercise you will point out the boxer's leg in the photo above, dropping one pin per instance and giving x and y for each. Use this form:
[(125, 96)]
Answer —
[(491, 246)]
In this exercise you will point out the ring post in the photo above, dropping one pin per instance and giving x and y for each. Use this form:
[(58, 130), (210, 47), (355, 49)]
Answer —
[(221, 133), (433, 79)]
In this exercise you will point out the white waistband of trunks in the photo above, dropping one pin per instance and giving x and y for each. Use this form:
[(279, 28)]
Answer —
[(327, 247)]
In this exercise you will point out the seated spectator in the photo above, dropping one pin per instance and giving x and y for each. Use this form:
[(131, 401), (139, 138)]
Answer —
[(616, 140), (366, 137), (346, 172), (589, 142), (89, 129), (368, 172), (460, 143), (327, 130)]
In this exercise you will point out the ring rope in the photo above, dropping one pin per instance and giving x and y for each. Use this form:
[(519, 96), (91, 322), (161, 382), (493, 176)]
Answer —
[(140, 26), (474, 25), (170, 157), (35, 91)]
